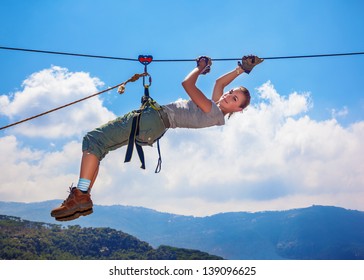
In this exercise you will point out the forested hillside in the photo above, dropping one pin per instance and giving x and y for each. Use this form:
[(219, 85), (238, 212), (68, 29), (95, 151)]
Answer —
[(25, 240)]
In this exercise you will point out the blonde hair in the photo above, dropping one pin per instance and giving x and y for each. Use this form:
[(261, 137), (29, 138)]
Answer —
[(246, 102)]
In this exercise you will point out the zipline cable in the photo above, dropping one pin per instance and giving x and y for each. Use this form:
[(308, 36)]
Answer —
[(174, 60), (67, 53)]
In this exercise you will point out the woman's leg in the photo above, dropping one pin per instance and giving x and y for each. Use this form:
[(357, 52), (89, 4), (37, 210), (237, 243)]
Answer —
[(79, 203), (89, 166), (96, 144), (94, 178)]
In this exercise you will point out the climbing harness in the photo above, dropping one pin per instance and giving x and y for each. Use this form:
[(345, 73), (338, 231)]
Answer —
[(147, 103)]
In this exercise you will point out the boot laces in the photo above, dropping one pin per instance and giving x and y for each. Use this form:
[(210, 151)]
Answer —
[(70, 196)]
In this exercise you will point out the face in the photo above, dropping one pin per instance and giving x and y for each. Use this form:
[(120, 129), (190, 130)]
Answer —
[(232, 101)]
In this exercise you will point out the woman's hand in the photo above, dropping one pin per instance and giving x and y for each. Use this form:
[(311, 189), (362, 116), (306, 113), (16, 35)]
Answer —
[(249, 62), (204, 64)]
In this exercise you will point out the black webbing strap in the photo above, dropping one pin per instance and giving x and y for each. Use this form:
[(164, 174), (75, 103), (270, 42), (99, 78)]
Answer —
[(159, 164), (140, 154), (133, 133)]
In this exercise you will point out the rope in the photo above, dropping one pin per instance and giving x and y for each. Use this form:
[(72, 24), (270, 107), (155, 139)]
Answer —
[(132, 79), (175, 60)]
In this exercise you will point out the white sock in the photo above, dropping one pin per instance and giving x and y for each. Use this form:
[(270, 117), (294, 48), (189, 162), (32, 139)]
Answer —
[(83, 184)]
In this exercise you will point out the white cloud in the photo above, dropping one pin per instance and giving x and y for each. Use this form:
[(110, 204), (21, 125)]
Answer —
[(273, 156), (51, 88), (339, 113), (34, 175)]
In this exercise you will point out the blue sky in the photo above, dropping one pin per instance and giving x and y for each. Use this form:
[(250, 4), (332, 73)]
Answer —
[(186, 29), (306, 118)]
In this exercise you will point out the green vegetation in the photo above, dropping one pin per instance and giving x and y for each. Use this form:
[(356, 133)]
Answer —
[(25, 240)]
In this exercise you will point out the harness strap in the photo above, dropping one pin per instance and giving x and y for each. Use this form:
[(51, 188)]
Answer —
[(132, 137), (159, 164), (140, 154)]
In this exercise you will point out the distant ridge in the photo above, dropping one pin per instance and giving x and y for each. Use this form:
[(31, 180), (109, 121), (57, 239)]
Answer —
[(316, 232)]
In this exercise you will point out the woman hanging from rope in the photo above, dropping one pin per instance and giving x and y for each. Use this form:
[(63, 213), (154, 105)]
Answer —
[(198, 112)]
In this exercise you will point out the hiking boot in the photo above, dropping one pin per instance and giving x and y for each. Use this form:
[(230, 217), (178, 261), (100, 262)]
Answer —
[(77, 204)]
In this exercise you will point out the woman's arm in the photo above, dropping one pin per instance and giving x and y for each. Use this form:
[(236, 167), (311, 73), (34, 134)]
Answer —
[(197, 96), (247, 64), (223, 81)]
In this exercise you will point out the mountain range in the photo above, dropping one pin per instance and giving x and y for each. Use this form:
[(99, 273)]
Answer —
[(312, 233)]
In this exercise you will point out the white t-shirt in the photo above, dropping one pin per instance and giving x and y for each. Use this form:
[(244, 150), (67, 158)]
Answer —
[(186, 114)]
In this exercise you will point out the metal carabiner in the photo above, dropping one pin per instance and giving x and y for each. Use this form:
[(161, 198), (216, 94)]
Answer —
[(145, 60), (149, 78)]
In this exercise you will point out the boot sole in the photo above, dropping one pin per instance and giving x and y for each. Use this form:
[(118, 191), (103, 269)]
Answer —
[(75, 215), (59, 213)]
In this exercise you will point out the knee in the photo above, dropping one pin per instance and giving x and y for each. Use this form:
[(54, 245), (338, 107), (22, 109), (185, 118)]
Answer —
[(90, 145)]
